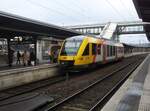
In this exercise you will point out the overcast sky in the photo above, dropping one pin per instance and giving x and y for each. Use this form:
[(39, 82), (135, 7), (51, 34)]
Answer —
[(74, 12)]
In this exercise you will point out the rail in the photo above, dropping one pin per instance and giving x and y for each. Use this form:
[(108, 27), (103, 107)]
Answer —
[(112, 91)]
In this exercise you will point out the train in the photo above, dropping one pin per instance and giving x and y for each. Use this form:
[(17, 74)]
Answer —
[(79, 52)]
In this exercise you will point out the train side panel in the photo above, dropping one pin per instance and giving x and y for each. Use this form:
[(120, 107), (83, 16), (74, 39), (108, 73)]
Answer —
[(120, 50), (92, 51), (110, 51), (99, 54), (83, 57)]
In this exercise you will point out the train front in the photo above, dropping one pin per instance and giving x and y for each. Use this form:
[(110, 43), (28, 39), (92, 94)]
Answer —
[(69, 52)]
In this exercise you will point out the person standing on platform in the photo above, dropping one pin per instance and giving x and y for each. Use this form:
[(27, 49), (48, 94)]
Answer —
[(11, 55), (32, 58), (26, 57), (18, 57), (51, 57), (56, 56)]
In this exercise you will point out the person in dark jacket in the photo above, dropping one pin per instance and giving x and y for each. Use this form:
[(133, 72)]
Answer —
[(32, 58), (11, 55), (18, 57)]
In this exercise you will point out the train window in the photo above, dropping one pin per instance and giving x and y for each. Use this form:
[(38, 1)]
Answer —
[(114, 50), (107, 50), (70, 47), (99, 49), (110, 50), (86, 51), (94, 48), (119, 49)]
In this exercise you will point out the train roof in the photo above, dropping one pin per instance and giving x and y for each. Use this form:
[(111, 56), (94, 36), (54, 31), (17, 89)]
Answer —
[(106, 41), (119, 44), (79, 37), (113, 43)]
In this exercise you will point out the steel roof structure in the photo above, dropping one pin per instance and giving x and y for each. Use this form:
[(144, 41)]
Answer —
[(14, 25), (143, 10)]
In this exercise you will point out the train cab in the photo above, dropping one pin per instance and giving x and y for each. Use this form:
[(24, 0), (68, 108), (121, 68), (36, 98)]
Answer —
[(69, 51)]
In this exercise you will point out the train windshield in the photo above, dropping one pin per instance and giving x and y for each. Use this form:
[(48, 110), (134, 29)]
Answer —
[(71, 47)]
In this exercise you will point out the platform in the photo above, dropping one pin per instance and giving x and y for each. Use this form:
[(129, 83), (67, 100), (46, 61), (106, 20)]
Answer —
[(11, 77), (134, 95)]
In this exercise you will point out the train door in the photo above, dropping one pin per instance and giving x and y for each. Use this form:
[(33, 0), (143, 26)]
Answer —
[(99, 53), (86, 54), (94, 52)]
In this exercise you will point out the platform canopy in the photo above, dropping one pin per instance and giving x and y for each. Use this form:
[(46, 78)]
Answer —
[(143, 10), (13, 25)]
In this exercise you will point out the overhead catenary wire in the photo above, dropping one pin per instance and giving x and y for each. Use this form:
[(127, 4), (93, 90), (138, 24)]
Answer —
[(80, 10), (129, 11), (48, 8), (110, 4), (81, 7), (64, 6)]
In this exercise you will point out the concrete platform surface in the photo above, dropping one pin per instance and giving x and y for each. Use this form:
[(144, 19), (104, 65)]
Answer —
[(134, 95)]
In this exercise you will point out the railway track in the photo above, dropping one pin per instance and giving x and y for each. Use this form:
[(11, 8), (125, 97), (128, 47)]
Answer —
[(42, 86), (95, 95), (14, 92), (20, 90)]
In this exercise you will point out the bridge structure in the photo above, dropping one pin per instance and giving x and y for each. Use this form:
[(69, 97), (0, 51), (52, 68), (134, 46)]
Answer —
[(133, 27)]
